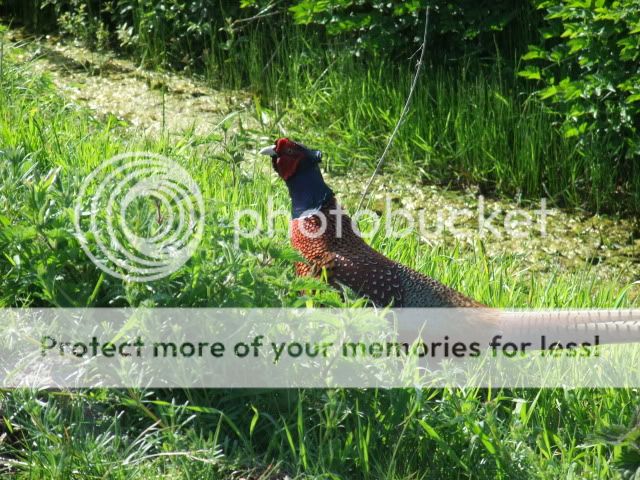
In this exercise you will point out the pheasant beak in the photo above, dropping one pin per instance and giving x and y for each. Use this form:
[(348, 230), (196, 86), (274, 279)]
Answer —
[(270, 151)]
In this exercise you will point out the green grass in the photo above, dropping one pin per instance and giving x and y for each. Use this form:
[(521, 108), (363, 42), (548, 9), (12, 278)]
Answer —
[(463, 128), (47, 147), (50, 146), (468, 124), (473, 121)]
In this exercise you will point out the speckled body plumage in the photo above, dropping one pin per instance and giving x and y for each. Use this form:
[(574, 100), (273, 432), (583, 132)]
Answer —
[(350, 261)]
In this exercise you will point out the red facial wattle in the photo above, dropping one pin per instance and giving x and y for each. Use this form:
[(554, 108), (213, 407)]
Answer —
[(288, 160), (286, 166)]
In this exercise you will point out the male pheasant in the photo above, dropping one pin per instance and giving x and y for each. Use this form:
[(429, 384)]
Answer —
[(325, 237)]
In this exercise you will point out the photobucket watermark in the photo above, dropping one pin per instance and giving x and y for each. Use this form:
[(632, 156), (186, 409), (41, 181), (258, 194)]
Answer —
[(483, 221), (139, 216)]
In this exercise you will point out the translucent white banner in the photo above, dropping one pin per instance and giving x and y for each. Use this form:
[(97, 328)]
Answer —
[(321, 348)]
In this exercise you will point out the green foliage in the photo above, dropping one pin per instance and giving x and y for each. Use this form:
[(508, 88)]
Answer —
[(627, 441), (175, 33), (47, 147), (456, 28), (463, 129), (186, 33), (587, 65), (343, 67), (80, 19)]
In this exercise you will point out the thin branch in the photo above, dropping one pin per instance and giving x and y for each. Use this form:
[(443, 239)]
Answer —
[(258, 16), (1, 56), (405, 110)]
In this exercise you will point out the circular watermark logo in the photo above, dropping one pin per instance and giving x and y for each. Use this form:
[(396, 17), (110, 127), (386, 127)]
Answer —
[(139, 216)]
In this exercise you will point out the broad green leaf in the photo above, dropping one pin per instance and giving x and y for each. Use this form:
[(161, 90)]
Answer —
[(549, 92), (571, 132), (576, 44), (534, 53), (531, 73)]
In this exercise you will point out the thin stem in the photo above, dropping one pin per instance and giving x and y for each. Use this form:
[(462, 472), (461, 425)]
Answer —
[(1, 57), (405, 110)]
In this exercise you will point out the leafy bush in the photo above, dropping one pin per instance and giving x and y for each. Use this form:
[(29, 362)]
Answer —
[(182, 30), (588, 66), (457, 28)]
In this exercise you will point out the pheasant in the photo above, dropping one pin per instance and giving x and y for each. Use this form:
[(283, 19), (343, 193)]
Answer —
[(326, 238)]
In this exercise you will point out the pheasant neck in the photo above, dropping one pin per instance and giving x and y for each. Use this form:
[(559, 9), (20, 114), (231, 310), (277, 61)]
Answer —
[(308, 191)]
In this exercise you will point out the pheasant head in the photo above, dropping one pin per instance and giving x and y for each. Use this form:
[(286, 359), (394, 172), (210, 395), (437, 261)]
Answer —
[(289, 157), (299, 167)]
